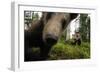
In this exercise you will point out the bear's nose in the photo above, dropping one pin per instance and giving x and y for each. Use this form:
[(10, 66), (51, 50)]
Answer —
[(51, 39)]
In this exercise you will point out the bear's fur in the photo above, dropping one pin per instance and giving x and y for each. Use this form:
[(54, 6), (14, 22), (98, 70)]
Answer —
[(44, 33)]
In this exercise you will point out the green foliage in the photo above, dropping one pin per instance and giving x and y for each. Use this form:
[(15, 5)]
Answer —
[(67, 51), (36, 50), (64, 50), (85, 27), (35, 16)]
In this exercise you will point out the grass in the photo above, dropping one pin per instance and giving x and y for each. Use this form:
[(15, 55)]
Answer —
[(64, 50)]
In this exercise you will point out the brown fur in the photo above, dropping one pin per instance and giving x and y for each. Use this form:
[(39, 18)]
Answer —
[(45, 33)]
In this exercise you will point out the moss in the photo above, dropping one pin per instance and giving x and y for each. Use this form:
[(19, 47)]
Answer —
[(67, 51), (64, 50)]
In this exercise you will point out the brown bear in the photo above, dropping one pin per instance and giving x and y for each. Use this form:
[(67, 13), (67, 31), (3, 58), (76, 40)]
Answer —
[(44, 33)]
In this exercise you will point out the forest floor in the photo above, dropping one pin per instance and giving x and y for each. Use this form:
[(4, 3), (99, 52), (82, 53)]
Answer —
[(65, 50)]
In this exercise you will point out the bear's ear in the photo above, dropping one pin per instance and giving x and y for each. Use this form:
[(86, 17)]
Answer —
[(73, 15)]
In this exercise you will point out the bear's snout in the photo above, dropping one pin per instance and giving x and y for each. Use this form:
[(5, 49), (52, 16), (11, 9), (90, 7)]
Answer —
[(51, 39)]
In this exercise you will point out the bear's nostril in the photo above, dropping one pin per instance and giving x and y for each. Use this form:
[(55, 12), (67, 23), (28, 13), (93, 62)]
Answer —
[(51, 39)]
